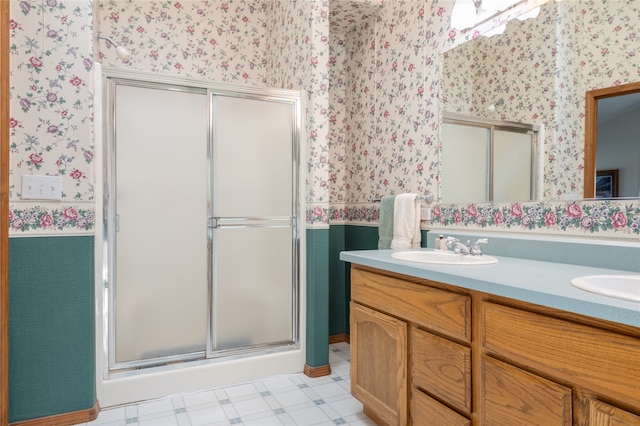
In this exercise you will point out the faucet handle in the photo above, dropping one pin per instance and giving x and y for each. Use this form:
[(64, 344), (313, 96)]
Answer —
[(475, 249)]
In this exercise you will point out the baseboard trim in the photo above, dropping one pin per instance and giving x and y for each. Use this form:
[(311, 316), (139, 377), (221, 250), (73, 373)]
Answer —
[(73, 418), (314, 372), (337, 338)]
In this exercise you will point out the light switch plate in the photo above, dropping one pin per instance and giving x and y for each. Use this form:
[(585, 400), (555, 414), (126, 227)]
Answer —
[(425, 213), (41, 187)]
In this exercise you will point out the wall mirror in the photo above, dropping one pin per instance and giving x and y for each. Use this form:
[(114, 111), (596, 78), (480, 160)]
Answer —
[(539, 71)]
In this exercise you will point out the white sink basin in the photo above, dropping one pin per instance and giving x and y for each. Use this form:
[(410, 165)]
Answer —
[(442, 258), (625, 287)]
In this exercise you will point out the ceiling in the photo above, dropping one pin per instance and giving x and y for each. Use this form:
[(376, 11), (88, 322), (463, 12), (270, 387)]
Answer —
[(345, 15), (609, 108)]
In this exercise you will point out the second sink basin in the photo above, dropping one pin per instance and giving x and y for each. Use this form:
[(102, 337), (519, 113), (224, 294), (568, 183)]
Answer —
[(626, 287), (442, 258)]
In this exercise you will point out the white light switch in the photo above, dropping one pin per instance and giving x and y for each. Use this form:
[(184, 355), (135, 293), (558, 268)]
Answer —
[(41, 187), (425, 213)]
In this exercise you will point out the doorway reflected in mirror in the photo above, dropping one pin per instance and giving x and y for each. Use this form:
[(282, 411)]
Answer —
[(612, 141)]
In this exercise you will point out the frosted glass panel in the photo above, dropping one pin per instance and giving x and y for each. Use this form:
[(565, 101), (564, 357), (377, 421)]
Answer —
[(465, 158), (252, 157), (512, 166), (253, 287), (161, 189)]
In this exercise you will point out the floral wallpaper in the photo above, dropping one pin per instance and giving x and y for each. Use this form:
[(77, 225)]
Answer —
[(216, 40), (371, 73), (51, 112)]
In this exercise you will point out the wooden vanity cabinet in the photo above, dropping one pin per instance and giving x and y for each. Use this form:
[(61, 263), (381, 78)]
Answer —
[(415, 359), (421, 318), (564, 354)]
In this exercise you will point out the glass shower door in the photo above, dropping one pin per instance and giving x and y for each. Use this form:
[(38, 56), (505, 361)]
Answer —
[(254, 224), (158, 173), (202, 219)]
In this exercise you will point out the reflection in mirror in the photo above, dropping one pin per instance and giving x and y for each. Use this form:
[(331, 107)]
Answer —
[(487, 160), (542, 68), (612, 142)]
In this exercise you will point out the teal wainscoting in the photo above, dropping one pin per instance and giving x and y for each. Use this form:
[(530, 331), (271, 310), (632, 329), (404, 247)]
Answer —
[(51, 326), (317, 297), (347, 237)]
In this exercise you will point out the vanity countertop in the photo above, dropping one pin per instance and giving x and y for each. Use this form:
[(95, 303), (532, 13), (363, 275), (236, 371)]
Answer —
[(542, 283)]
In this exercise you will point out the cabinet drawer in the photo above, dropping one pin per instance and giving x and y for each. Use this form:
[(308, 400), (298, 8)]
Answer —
[(516, 397), (442, 368), (429, 412), (442, 311), (599, 360)]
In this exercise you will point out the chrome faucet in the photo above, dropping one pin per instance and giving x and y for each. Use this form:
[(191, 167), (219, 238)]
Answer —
[(466, 248), (475, 248), (458, 246)]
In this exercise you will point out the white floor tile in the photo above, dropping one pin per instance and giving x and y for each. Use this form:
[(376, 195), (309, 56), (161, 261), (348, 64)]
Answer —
[(160, 421), (347, 407), (329, 389), (253, 406), (289, 400), (157, 408), (277, 383), (205, 399), (183, 419), (241, 391), (109, 416), (309, 416), (264, 421), (206, 416)]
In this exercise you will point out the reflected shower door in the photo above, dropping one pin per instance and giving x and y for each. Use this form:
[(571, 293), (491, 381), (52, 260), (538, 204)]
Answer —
[(464, 173), (513, 163), (158, 215)]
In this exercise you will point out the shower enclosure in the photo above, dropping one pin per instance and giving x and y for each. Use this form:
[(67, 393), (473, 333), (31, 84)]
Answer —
[(201, 247)]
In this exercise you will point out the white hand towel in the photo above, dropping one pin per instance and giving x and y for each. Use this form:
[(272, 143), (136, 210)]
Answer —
[(406, 222)]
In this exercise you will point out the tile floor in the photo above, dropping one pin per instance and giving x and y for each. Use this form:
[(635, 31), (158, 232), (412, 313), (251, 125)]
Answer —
[(284, 400)]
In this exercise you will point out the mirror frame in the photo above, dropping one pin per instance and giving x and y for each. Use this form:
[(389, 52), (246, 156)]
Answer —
[(591, 129)]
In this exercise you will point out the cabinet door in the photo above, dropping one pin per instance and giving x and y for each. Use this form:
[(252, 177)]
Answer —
[(378, 364), (516, 397), (601, 414)]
